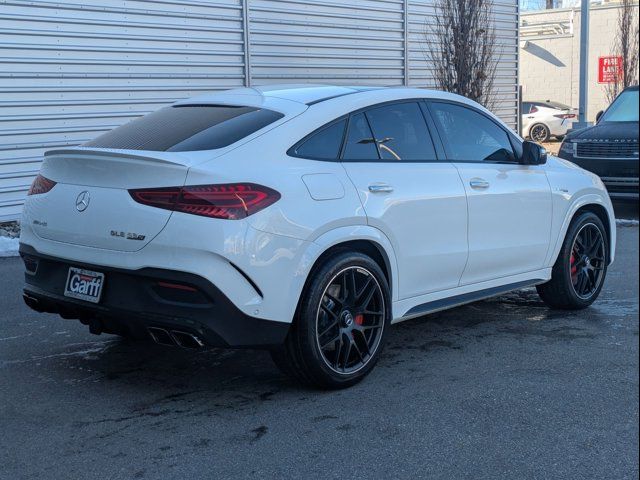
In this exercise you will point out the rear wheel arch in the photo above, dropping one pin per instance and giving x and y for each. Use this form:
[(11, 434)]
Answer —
[(375, 250), (365, 246), (362, 238)]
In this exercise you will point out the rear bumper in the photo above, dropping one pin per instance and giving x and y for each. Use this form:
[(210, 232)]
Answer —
[(135, 300), (560, 128)]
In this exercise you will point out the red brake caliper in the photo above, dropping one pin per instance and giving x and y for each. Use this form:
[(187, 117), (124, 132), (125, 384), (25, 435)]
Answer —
[(574, 269), (359, 320)]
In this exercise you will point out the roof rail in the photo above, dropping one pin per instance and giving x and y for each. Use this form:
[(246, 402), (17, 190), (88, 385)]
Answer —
[(319, 100)]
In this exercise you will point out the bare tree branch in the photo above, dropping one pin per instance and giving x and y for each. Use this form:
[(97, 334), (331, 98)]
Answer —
[(625, 45), (460, 49)]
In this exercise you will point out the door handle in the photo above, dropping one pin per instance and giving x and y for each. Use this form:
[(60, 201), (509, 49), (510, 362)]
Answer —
[(479, 183), (380, 188)]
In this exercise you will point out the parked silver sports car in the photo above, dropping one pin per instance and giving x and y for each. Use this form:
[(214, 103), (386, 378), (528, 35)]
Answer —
[(543, 120)]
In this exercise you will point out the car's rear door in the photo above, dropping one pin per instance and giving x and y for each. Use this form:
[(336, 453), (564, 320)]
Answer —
[(410, 193), (510, 204)]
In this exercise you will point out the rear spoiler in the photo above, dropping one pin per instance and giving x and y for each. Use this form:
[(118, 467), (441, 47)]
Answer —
[(168, 158)]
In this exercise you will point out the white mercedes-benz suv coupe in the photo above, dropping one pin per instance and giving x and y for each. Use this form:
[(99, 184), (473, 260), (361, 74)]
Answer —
[(306, 220)]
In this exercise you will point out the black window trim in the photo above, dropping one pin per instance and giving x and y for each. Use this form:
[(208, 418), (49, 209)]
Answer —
[(344, 140), (439, 150), (515, 143), (432, 127), (292, 150), (364, 110)]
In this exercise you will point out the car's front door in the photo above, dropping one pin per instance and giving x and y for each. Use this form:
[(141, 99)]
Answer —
[(510, 204), (417, 201)]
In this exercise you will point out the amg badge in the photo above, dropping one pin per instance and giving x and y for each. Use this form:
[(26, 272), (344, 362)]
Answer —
[(127, 235)]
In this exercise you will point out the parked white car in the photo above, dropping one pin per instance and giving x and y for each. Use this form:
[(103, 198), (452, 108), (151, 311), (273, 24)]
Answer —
[(543, 120), (306, 220)]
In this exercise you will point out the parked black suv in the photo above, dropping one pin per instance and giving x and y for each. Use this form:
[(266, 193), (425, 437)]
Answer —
[(610, 147)]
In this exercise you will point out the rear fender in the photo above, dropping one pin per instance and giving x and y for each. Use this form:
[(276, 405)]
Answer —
[(290, 262), (359, 232)]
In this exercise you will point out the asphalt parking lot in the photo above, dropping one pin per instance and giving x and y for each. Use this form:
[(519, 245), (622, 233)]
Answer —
[(503, 388)]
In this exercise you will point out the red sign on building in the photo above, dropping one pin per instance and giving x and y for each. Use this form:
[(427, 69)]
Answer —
[(609, 69)]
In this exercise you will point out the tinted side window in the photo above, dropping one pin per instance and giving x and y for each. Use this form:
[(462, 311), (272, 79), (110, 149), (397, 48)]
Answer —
[(360, 144), (526, 108), (187, 128), (325, 144), (401, 132), (470, 136)]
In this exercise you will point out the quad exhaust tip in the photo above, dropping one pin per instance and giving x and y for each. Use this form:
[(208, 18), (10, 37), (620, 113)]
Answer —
[(186, 340), (174, 337), (32, 302), (161, 336)]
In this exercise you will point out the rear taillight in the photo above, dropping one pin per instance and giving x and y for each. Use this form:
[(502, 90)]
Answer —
[(564, 116), (229, 201), (41, 185)]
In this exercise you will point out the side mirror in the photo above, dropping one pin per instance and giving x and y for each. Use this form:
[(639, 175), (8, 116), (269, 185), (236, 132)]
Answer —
[(533, 154), (599, 115)]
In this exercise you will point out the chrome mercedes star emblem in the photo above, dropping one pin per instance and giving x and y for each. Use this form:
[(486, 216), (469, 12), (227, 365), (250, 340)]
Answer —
[(82, 201), (347, 319)]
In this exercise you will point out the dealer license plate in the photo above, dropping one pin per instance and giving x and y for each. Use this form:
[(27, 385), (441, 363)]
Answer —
[(84, 285)]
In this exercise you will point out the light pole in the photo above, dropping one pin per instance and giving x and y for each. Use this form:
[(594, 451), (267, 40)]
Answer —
[(584, 66)]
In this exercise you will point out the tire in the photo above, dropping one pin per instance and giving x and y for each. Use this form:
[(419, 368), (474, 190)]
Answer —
[(568, 288), (338, 331), (539, 133)]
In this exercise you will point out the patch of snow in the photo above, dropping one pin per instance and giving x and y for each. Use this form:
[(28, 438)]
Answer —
[(8, 247), (623, 222)]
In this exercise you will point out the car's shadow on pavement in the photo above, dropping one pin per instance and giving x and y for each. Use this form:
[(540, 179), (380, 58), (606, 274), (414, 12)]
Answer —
[(234, 379)]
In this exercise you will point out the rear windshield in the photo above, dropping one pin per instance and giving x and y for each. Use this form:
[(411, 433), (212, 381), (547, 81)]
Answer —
[(550, 104), (187, 128), (624, 108)]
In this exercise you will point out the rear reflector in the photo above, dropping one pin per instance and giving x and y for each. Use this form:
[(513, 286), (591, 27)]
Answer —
[(180, 293), (41, 185), (30, 264), (177, 286), (227, 201), (565, 115)]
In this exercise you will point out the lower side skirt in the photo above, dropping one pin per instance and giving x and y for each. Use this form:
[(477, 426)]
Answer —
[(463, 299)]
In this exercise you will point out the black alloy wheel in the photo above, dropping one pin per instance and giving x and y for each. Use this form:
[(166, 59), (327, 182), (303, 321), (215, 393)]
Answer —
[(587, 261), (578, 275), (350, 320), (338, 332)]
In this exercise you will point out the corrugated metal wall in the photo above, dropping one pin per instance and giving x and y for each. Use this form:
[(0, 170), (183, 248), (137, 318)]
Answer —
[(327, 41), (506, 15), (71, 70)]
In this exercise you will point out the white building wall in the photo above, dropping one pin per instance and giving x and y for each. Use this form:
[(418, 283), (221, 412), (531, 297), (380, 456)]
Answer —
[(71, 70), (550, 61)]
